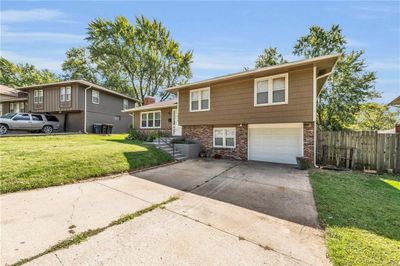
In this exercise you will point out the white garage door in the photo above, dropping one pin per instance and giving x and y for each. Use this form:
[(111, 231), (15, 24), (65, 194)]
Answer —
[(278, 143)]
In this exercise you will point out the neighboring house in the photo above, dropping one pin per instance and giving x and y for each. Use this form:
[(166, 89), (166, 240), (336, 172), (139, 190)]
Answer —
[(152, 116), (79, 104), (267, 114), (12, 100)]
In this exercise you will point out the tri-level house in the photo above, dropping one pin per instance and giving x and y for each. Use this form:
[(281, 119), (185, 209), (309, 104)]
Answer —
[(78, 105), (266, 114)]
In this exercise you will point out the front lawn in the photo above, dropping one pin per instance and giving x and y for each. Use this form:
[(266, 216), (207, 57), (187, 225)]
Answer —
[(34, 162), (361, 213)]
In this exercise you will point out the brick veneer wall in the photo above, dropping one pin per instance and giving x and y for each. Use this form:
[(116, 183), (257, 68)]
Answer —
[(308, 140), (204, 135)]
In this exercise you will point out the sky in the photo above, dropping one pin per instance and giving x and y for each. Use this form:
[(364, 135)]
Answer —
[(224, 36)]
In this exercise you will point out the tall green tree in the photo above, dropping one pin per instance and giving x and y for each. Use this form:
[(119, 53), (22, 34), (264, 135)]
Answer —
[(18, 75), (350, 84), (270, 57), (375, 116), (140, 59)]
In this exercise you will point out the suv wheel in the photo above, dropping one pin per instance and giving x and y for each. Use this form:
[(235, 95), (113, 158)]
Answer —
[(3, 129), (47, 129)]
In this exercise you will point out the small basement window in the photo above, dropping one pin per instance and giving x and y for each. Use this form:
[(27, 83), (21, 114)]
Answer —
[(224, 137)]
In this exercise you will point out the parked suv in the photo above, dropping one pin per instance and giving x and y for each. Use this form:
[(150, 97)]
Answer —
[(28, 122)]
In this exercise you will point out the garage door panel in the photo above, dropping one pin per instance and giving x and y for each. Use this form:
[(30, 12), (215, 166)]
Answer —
[(275, 144)]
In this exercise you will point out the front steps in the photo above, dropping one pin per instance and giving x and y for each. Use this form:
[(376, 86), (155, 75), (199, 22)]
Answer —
[(161, 144)]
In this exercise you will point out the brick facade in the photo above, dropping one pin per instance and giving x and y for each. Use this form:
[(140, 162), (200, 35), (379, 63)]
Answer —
[(308, 140), (204, 135)]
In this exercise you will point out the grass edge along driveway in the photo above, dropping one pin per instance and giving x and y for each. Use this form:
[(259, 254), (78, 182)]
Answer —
[(361, 216), (43, 161)]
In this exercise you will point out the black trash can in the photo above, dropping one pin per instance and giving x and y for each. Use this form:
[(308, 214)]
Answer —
[(96, 128), (103, 129), (109, 128)]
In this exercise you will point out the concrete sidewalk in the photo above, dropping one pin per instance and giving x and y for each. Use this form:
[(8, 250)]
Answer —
[(32, 221)]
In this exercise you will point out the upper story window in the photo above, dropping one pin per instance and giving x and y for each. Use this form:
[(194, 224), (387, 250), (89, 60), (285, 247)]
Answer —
[(225, 137), (95, 97), (125, 104), (200, 100), (38, 96), (150, 119), (65, 94), (271, 90)]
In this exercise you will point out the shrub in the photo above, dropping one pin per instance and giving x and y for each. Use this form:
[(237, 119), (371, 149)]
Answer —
[(303, 163)]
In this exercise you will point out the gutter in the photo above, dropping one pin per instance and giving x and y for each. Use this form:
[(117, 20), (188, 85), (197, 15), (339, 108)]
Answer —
[(84, 118)]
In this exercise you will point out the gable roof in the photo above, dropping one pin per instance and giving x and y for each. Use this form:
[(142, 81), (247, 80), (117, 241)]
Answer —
[(160, 105), (326, 61), (5, 90), (395, 101), (83, 82)]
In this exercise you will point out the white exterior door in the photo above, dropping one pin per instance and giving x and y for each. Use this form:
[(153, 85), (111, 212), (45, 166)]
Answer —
[(176, 129), (277, 143)]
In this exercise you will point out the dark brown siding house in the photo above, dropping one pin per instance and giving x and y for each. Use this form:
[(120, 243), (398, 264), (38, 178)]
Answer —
[(267, 114), (160, 116), (79, 104), (12, 100)]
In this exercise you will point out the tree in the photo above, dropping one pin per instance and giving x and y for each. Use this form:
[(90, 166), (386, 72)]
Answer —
[(350, 84), (375, 116), (18, 75), (270, 57), (140, 59)]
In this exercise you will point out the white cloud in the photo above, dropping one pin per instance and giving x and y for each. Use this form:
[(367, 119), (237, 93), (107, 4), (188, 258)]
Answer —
[(24, 37), (39, 62), (31, 15), (389, 64)]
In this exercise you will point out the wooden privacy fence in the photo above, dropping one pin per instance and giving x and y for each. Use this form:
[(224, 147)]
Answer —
[(359, 150)]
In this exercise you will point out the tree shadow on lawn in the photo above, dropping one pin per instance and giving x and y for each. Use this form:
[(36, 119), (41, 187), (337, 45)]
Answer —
[(358, 200)]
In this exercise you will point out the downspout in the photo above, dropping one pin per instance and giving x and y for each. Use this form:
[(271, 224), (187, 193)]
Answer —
[(84, 118)]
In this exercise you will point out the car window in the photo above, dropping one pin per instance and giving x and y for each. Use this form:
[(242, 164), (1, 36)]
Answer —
[(8, 115), (51, 118), (22, 117), (37, 118)]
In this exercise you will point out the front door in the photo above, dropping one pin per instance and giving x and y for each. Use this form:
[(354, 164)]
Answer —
[(176, 129)]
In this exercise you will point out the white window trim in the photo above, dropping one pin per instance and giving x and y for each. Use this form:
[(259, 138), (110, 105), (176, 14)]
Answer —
[(63, 96), (39, 96), (270, 89), (223, 139), (123, 104), (98, 96), (199, 101), (154, 119)]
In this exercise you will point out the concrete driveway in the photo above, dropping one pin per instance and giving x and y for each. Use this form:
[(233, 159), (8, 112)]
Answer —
[(278, 190), (227, 213)]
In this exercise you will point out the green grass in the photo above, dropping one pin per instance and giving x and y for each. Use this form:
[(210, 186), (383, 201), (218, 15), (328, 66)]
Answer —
[(35, 162), (361, 214)]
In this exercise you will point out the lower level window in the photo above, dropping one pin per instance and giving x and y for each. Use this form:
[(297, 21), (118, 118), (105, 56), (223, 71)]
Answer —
[(225, 137), (151, 119)]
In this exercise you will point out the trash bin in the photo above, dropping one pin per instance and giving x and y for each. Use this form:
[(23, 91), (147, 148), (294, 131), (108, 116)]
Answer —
[(109, 128), (96, 128), (103, 129)]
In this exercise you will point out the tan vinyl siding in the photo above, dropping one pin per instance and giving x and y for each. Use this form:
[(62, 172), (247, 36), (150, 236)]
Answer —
[(233, 103), (166, 116), (51, 100)]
